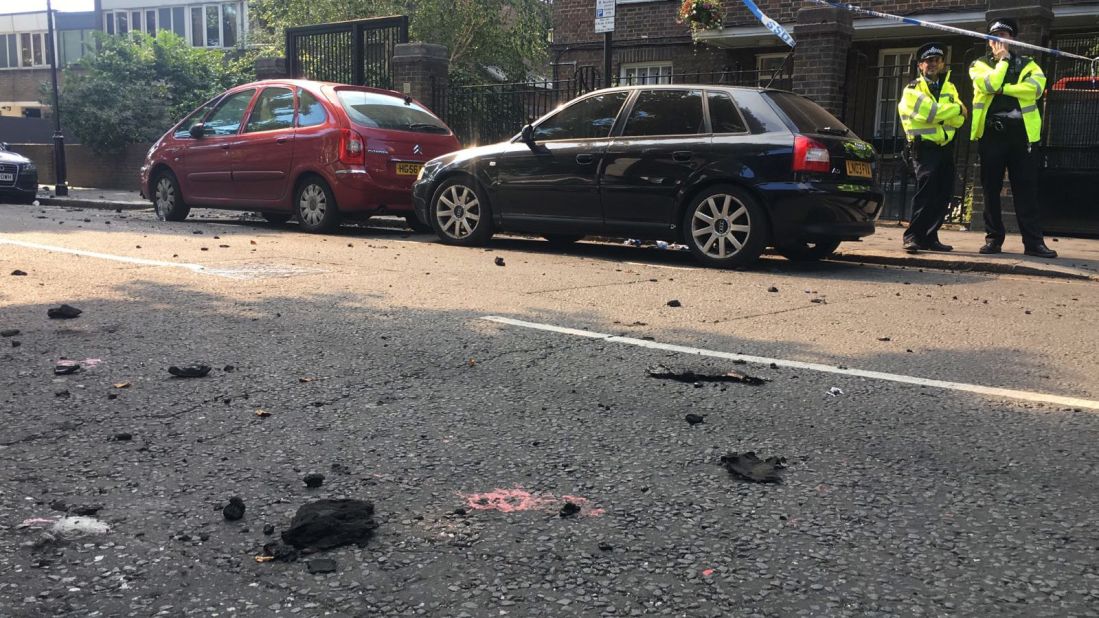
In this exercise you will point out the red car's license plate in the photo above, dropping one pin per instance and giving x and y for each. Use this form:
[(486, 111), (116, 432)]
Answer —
[(409, 169)]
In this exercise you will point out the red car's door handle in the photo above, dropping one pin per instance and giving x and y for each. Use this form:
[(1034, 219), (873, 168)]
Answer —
[(224, 146), (282, 140)]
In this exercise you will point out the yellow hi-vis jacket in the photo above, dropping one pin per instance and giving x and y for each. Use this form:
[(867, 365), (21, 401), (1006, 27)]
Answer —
[(988, 81), (930, 119)]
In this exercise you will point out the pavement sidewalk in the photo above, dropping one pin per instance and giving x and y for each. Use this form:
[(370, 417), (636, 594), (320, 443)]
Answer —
[(1079, 258)]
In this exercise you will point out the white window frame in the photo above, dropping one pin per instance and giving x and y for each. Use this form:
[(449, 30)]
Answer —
[(900, 79), (763, 75), (38, 42), (188, 27), (626, 78)]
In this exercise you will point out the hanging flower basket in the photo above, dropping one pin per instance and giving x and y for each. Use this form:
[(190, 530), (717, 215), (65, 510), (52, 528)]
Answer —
[(701, 14)]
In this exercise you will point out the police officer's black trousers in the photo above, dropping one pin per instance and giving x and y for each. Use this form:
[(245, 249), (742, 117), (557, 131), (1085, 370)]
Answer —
[(1009, 149), (934, 188)]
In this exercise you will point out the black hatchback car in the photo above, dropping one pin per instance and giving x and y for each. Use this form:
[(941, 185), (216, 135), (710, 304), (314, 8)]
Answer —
[(727, 171)]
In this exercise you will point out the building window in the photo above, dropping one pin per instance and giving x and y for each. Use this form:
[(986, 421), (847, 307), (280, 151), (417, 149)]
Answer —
[(204, 25), (31, 50), (768, 65), (894, 70), (74, 44), (9, 53), (646, 73)]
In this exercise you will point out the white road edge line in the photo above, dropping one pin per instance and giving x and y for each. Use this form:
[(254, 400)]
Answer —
[(990, 391), (102, 256)]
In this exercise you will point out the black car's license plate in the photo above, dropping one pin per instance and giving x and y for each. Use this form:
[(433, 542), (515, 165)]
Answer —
[(859, 168), (7, 177)]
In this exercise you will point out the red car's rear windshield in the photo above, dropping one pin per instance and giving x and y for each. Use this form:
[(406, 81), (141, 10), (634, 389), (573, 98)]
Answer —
[(370, 109)]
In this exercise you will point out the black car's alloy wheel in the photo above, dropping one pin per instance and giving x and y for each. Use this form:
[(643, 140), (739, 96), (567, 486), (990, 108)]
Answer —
[(167, 198), (315, 207), (460, 214), (725, 226), (807, 251)]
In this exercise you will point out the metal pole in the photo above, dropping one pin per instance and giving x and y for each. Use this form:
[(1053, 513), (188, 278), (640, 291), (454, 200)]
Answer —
[(608, 42), (59, 172)]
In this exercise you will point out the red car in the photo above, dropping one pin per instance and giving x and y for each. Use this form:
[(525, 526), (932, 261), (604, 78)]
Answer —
[(292, 148)]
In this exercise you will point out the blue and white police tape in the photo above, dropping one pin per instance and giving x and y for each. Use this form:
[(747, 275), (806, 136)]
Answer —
[(944, 28), (770, 24)]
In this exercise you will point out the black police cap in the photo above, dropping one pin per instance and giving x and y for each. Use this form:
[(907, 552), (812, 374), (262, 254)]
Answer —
[(929, 50), (1004, 25)]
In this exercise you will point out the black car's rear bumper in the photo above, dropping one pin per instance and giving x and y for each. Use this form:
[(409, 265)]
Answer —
[(812, 212)]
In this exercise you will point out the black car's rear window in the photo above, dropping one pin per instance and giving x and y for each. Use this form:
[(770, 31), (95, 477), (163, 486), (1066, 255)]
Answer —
[(806, 115), (371, 109)]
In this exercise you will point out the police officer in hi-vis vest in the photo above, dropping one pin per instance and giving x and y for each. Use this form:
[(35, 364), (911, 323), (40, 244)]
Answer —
[(1006, 120), (931, 113)]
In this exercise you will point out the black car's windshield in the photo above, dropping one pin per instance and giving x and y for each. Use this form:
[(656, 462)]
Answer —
[(806, 115), (371, 109)]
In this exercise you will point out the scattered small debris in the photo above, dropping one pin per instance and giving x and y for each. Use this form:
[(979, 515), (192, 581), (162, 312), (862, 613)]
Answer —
[(321, 565), (313, 480), (569, 509), (85, 510), (306, 380), (674, 303), (819, 301), (121, 385), (694, 419), (229, 369), (325, 524), (11, 332), (66, 368), (772, 289), (884, 339), (518, 499), (66, 528), (339, 468), (233, 511), (262, 413), (123, 436), (749, 467), (707, 572), (268, 529), (688, 376), (15, 343), (472, 362), (64, 312), (278, 551), (189, 371), (499, 261), (18, 273), (835, 391), (605, 546)]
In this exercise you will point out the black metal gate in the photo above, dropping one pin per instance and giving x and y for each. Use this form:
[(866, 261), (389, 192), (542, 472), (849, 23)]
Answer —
[(356, 52)]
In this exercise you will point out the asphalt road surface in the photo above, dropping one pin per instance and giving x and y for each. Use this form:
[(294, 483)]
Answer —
[(939, 429)]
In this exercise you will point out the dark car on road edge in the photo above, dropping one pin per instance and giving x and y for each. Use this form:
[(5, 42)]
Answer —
[(728, 171), (18, 177)]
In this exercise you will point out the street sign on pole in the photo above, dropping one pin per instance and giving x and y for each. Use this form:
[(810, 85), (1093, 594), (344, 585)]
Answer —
[(604, 15)]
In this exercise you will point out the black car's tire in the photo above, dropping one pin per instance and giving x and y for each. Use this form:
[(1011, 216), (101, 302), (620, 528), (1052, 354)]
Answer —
[(168, 199), (278, 218), (725, 226), (807, 251), (563, 240), (460, 213), (314, 205), (416, 225)]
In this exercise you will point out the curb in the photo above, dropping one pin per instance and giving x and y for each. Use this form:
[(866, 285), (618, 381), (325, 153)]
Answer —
[(90, 203), (963, 265)]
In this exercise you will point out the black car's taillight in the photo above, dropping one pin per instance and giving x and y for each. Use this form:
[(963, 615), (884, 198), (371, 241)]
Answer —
[(811, 155)]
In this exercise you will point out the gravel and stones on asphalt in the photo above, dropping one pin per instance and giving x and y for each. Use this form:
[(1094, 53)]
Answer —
[(896, 500)]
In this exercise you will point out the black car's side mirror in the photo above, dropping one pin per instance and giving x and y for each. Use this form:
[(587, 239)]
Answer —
[(198, 130), (528, 135)]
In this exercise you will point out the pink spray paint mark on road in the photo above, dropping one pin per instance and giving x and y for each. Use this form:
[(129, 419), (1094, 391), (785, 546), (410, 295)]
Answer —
[(518, 499), (707, 572)]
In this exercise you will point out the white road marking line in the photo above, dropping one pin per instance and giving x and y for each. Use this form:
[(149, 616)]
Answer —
[(254, 272), (991, 391)]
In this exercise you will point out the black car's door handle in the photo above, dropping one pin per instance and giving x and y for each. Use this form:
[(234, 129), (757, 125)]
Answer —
[(584, 159), (682, 156)]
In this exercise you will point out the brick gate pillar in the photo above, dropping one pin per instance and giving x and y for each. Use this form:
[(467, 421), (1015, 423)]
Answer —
[(820, 60), (418, 67), (1035, 19)]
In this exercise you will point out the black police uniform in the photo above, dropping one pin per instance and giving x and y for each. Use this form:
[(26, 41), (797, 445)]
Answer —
[(934, 185)]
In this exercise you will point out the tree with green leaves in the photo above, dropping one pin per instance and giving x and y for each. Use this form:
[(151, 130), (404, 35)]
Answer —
[(510, 35), (133, 88)]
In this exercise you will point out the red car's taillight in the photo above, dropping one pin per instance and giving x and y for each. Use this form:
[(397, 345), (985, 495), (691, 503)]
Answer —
[(811, 155), (352, 148)]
